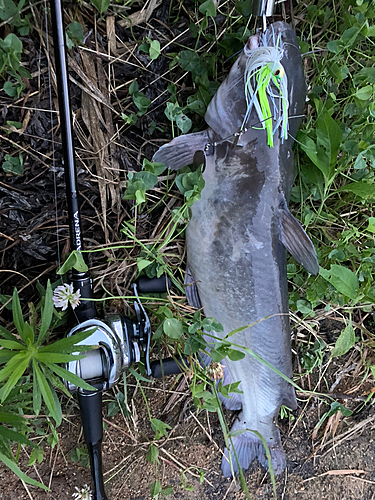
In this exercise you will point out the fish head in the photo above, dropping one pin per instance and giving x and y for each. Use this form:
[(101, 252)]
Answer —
[(232, 110)]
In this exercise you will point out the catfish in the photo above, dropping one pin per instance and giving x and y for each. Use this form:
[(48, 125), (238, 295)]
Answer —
[(238, 235)]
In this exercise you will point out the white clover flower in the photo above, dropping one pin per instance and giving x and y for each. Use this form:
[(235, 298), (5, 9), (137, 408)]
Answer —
[(215, 371), (83, 493), (64, 295)]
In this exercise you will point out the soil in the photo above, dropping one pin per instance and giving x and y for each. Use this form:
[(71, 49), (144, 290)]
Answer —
[(342, 468), (334, 462)]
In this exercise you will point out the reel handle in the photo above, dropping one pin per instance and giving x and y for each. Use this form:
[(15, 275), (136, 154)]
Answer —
[(168, 366), (153, 285)]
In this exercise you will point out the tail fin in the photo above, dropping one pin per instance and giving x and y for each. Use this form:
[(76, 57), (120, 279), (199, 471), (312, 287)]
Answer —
[(248, 447)]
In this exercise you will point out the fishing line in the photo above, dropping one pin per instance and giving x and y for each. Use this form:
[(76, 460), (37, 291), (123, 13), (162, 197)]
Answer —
[(52, 135)]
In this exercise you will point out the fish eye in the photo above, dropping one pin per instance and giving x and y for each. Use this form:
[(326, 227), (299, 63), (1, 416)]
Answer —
[(277, 72)]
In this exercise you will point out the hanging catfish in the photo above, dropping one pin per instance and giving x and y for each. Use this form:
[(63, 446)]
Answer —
[(240, 227)]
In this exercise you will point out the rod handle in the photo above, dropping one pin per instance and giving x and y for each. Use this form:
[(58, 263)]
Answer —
[(90, 404)]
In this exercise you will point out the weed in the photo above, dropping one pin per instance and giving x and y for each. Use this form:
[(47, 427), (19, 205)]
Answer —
[(28, 352)]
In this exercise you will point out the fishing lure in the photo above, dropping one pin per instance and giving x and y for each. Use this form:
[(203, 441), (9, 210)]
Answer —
[(266, 88)]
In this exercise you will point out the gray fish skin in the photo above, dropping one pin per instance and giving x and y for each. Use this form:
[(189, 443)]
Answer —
[(236, 248)]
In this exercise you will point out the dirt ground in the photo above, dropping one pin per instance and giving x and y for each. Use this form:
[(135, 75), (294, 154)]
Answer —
[(338, 467), (336, 463)]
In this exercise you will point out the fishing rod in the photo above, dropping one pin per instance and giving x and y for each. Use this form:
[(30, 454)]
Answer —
[(119, 340)]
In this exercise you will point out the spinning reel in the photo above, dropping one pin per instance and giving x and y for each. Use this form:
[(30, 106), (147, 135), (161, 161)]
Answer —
[(120, 341)]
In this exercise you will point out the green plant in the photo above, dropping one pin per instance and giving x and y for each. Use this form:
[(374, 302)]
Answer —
[(13, 165), (30, 372), (139, 182), (151, 47), (74, 34), (10, 65), (10, 13)]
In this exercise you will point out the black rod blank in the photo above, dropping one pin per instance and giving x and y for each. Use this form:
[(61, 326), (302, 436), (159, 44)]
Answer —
[(66, 124)]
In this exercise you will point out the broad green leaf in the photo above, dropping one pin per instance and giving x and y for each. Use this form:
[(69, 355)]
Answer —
[(311, 149), (168, 490), (304, 307), (17, 315), (235, 355), (142, 263), (152, 454), (12, 91), (47, 313), (75, 260), (160, 428), (12, 42), (156, 168), (13, 165), (335, 407), (36, 455), (140, 196), (343, 279), (74, 34), (101, 5), (46, 393), (155, 489), (371, 225), (328, 135), (154, 51), (188, 60), (208, 8), (360, 162), (345, 342), (173, 328), (362, 189), (183, 123), (8, 9), (14, 468), (364, 93)]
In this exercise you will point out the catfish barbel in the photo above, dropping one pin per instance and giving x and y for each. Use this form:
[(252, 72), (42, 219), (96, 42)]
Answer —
[(241, 226)]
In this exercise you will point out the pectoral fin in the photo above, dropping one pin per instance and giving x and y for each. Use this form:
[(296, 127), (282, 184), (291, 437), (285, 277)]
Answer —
[(180, 152), (297, 242), (191, 290)]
